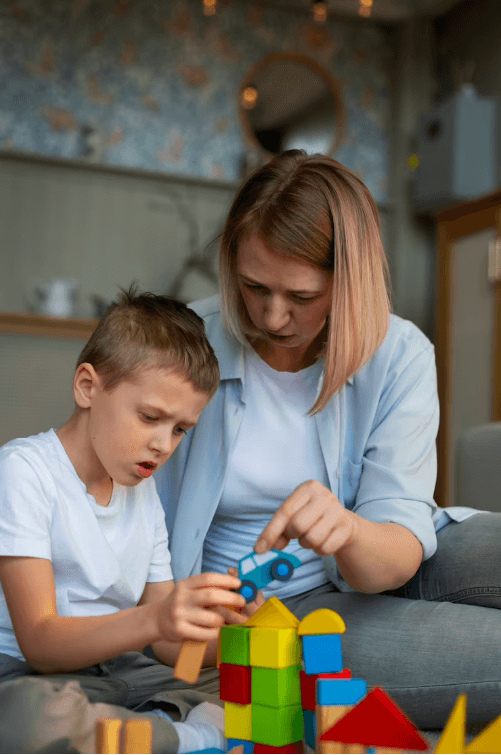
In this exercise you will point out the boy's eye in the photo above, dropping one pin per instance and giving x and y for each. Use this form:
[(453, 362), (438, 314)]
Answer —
[(181, 430), (149, 419)]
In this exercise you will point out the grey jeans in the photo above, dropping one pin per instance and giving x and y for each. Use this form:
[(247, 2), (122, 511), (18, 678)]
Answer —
[(426, 643), (58, 712), (437, 636)]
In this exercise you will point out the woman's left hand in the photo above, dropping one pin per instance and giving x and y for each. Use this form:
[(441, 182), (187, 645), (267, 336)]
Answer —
[(313, 515)]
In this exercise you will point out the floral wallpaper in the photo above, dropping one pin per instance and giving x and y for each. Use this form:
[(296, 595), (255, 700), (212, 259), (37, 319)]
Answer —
[(153, 84)]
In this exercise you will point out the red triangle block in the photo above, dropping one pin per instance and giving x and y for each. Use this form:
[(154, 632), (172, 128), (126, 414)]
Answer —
[(376, 722)]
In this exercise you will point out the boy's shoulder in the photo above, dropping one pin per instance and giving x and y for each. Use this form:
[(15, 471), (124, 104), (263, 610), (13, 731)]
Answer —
[(205, 308), (34, 448)]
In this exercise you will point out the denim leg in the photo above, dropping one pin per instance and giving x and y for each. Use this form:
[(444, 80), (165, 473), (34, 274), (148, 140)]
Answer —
[(466, 567), (423, 653)]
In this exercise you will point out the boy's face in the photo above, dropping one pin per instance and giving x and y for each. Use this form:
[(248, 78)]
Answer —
[(135, 427)]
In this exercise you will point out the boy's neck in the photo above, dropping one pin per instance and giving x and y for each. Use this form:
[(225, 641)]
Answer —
[(75, 441)]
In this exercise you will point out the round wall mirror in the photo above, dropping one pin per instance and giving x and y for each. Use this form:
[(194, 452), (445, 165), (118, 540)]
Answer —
[(289, 101)]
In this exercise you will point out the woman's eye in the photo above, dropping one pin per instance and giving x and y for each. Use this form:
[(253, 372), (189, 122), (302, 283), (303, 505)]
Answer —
[(252, 287), (304, 299)]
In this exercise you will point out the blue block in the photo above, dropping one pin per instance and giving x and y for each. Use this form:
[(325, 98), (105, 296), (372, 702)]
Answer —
[(322, 653), (309, 728), (210, 749), (340, 691), (248, 746)]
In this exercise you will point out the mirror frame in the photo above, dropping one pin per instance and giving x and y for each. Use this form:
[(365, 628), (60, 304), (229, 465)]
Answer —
[(333, 85)]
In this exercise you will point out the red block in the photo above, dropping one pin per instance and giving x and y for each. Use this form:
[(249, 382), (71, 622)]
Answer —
[(309, 683), (235, 683), (293, 748)]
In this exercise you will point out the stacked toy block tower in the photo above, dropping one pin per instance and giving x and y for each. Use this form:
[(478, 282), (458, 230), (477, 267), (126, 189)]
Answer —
[(327, 690), (260, 681)]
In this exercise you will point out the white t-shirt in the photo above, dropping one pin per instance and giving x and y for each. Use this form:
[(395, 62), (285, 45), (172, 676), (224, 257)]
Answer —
[(277, 448), (102, 556)]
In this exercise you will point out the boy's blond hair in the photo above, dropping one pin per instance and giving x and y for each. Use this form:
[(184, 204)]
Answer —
[(312, 208), (146, 331)]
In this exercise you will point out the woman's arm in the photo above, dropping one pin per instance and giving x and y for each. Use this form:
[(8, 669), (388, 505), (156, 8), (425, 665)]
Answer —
[(58, 644), (372, 557)]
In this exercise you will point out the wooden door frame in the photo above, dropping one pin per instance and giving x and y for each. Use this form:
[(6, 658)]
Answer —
[(453, 224)]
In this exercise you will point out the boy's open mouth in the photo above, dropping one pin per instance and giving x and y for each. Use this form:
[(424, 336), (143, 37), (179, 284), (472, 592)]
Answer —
[(146, 468)]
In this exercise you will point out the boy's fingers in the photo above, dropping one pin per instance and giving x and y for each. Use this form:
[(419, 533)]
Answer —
[(212, 596), (208, 579)]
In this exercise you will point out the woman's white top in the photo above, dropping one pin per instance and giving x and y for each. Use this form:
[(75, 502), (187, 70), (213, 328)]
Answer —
[(277, 448)]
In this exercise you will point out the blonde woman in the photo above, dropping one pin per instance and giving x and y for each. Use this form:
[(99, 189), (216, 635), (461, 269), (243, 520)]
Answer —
[(321, 441)]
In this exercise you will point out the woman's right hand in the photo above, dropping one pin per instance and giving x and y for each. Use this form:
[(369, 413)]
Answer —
[(186, 614)]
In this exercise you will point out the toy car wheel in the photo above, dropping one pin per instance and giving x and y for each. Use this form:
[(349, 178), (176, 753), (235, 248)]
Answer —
[(248, 589), (282, 569)]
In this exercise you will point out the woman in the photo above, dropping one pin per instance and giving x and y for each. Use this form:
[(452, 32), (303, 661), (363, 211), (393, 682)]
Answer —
[(321, 441)]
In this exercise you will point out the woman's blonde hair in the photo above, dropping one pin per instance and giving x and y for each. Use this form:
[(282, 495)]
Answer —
[(312, 208), (148, 331)]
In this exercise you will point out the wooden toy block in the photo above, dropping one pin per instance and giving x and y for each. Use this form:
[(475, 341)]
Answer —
[(308, 686), (375, 722), (276, 687), (292, 748), (274, 615), (235, 643), (325, 717), (108, 735), (274, 648), (248, 747), (452, 738), (238, 721), (277, 726), (189, 661), (340, 691), (309, 728), (489, 740), (322, 653), (235, 683), (322, 621), (138, 735)]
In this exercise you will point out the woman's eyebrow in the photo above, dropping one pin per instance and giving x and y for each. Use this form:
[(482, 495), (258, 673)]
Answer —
[(290, 291)]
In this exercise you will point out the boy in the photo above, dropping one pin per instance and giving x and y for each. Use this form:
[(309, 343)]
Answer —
[(84, 563)]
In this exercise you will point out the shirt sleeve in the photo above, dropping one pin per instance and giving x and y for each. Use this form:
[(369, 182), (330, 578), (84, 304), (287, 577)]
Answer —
[(26, 512), (160, 565), (399, 467)]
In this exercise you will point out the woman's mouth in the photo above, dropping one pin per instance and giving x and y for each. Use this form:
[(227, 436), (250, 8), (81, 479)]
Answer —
[(146, 468), (275, 337)]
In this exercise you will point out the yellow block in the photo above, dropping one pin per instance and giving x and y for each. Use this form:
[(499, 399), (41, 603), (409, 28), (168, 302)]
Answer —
[(238, 721), (108, 735), (274, 648), (323, 621), (273, 614), (452, 738), (138, 736), (489, 740)]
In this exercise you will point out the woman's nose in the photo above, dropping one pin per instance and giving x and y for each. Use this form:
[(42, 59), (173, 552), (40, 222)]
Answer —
[(276, 315)]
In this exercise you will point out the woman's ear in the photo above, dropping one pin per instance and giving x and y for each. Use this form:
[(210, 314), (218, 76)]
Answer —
[(85, 383)]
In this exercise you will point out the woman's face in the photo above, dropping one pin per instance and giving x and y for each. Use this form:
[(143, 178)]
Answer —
[(288, 300)]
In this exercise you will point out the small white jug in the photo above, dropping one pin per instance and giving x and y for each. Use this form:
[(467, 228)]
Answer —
[(56, 298)]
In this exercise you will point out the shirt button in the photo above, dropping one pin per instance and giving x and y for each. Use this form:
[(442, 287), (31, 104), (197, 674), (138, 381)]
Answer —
[(338, 472)]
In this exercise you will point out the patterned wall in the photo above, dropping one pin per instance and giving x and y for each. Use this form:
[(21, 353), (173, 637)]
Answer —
[(152, 85)]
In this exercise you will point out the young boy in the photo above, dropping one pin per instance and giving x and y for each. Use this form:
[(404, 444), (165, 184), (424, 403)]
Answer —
[(84, 563)]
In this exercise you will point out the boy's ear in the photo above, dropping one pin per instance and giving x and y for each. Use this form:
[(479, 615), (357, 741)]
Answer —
[(85, 382)]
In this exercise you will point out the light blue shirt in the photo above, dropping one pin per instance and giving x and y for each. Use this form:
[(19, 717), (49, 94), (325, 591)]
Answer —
[(377, 436)]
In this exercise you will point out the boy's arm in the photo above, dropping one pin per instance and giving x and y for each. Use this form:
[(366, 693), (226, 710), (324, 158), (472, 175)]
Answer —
[(58, 644)]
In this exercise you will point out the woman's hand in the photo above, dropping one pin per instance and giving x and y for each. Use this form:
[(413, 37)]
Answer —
[(185, 614), (314, 516)]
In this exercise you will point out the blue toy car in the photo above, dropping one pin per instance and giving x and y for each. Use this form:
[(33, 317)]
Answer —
[(259, 569)]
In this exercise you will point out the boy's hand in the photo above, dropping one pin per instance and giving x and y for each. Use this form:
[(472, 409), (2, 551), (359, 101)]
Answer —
[(249, 609), (185, 614)]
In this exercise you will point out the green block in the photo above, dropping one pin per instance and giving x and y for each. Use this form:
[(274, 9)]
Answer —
[(277, 726), (276, 687), (235, 644)]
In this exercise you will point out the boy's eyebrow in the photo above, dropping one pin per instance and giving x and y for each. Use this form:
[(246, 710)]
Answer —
[(291, 291), (161, 413)]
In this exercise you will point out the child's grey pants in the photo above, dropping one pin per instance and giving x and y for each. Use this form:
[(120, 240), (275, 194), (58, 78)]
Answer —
[(58, 712)]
